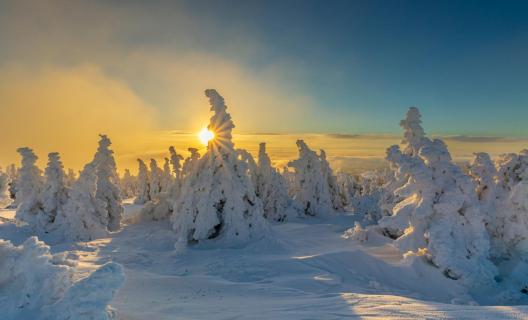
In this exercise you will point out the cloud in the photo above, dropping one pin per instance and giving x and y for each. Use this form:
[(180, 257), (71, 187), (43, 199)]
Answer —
[(343, 136), (464, 138), (64, 109)]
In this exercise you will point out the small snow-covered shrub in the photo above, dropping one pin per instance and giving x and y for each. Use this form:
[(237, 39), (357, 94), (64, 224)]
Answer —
[(217, 199), (34, 284)]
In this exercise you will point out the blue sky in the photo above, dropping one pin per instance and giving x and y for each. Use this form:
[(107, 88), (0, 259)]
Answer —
[(462, 62)]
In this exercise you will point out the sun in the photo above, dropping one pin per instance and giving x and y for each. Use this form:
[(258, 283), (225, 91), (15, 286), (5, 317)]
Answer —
[(206, 135)]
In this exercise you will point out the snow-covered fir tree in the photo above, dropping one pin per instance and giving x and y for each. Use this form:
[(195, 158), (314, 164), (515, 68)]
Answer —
[(271, 188), (143, 184), (28, 190), (361, 194), (166, 177), (5, 199), (311, 189), (218, 200), (55, 192), (510, 167), (413, 139), (175, 160), (84, 217), (155, 179), (414, 134), (128, 184), (440, 216), (108, 183), (190, 161), (70, 178), (338, 203), (250, 165), (13, 177), (513, 221)]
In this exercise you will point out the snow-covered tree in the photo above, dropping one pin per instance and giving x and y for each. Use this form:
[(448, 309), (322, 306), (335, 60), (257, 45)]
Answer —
[(36, 284), (338, 202), (166, 177), (13, 177), (413, 139), (4, 188), (271, 188), (510, 167), (143, 193), (155, 179), (312, 190), (71, 177), (55, 192), (108, 183), (190, 161), (175, 160), (217, 199), (84, 217), (512, 221), (250, 165), (440, 216), (29, 188), (361, 194), (414, 134), (128, 184)]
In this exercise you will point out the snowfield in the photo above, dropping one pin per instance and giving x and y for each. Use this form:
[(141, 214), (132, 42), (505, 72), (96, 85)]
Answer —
[(289, 275)]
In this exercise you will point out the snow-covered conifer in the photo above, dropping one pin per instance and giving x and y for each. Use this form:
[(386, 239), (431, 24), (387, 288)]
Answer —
[(250, 165), (155, 179), (4, 188), (70, 178), (414, 134), (271, 188), (166, 177), (143, 193), (84, 217), (217, 198), (338, 202), (440, 214), (29, 189), (55, 192), (13, 177), (311, 185), (510, 167), (190, 161), (175, 160), (108, 183), (128, 184)]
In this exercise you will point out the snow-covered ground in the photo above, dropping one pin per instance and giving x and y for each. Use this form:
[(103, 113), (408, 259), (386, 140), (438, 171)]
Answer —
[(304, 270)]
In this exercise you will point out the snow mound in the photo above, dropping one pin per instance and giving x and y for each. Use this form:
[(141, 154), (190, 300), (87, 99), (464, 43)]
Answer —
[(35, 284)]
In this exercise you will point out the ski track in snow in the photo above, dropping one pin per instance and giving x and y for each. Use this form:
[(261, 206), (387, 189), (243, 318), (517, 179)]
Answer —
[(304, 270)]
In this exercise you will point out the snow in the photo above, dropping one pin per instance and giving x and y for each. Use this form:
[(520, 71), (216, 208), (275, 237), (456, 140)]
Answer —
[(293, 276), (36, 284)]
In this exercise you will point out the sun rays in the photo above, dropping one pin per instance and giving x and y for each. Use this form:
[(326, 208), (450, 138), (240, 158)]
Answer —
[(205, 135)]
